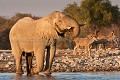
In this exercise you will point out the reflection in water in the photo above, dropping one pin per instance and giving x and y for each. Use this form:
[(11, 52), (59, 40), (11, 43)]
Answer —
[(34, 77)]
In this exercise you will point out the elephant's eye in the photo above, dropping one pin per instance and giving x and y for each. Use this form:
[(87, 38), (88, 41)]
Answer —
[(59, 21)]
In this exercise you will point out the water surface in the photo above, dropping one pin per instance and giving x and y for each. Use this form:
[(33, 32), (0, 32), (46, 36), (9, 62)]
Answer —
[(110, 75)]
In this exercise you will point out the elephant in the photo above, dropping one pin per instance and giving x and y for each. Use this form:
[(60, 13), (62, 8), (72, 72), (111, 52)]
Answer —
[(34, 36)]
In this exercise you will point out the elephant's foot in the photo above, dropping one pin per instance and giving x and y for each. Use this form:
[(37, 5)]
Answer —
[(19, 72), (29, 74), (34, 71), (47, 72), (18, 75)]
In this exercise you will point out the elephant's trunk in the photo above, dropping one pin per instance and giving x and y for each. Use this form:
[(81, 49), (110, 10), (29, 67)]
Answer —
[(76, 30)]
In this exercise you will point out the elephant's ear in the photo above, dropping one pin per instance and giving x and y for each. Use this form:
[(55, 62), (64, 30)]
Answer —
[(46, 32), (56, 16)]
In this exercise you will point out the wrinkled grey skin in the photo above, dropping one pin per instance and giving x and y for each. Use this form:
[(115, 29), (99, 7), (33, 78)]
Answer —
[(31, 36)]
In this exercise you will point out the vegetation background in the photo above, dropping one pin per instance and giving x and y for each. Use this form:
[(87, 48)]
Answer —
[(98, 14)]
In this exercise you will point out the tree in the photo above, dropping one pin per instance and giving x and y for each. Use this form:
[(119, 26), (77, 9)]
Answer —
[(22, 15), (73, 10), (97, 13), (2, 20)]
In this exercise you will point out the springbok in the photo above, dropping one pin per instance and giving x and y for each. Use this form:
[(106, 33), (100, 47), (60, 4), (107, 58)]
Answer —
[(85, 42), (104, 39)]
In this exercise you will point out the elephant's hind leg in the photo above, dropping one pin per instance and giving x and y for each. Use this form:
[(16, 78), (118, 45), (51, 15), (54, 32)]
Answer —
[(18, 59), (17, 53)]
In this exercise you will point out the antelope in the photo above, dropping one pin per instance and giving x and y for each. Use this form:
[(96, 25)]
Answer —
[(104, 39), (85, 42)]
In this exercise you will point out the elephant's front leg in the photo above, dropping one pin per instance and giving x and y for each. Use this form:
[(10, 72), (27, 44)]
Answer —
[(39, 54), (49, 58)]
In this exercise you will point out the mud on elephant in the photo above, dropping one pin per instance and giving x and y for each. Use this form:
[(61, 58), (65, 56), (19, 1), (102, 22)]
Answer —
[(29, 35)]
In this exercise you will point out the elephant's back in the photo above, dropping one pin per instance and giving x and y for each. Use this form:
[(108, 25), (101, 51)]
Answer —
[(24, 28)]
